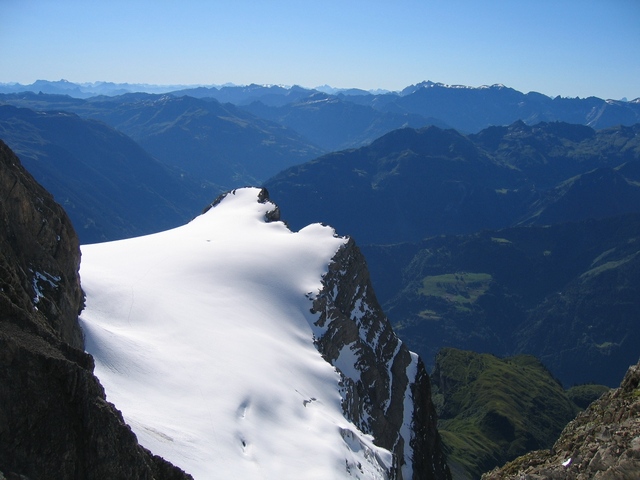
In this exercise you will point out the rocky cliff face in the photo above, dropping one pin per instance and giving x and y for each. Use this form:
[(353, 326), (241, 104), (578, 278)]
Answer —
[(603, 442), (386, 387), (55, 422)]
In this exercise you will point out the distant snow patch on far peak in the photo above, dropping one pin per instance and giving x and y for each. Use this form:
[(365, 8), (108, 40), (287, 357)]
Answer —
[(351, 91), (622, 101), (315, 99), (495, 85), (429, 84)]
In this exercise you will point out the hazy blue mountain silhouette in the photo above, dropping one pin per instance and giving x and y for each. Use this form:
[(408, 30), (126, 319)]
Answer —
[(335, 123), (110, 187), (467, 109), (220, 144), (411, 184)]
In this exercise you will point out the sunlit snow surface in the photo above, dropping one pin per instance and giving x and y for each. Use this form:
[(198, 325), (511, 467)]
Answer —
[(202, 338)]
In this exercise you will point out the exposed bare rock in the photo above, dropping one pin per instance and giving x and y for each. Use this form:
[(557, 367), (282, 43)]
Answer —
[(55, 422), (40, 256), (602, 443), (386, 387)]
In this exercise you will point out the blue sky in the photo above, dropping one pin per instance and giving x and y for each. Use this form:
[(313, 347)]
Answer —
[(568, 48)]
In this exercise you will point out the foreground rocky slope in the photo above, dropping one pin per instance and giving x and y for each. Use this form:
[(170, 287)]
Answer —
[(603, 442), (55, 422)]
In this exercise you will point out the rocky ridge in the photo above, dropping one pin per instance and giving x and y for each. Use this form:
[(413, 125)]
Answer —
[(55, 421), (386, 387), (602, 443)]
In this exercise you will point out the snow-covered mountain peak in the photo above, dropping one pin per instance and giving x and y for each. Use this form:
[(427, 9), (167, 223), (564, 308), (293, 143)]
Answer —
[(210, 339), (201, 337)]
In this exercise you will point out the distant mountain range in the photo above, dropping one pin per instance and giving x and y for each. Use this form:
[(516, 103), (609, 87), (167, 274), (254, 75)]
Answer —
[(139, 163), (86, 90), (467, 109), (225, 93), (410, 184), (219, 144), (109, 186), (501, 280), (232, 136), (336, 123)]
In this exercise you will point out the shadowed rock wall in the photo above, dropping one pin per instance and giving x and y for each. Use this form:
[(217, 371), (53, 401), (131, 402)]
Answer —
[(55, 422)]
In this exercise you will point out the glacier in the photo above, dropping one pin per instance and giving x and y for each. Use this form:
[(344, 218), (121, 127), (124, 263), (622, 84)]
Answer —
[(203, 336)]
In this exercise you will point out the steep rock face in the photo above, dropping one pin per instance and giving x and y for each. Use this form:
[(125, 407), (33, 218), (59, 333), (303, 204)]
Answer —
[(386, 387), (55, 422), (603, 442), (40, 255)]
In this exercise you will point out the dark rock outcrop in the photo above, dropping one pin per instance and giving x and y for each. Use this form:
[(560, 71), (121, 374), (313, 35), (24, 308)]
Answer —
[(55, 422), (386, 387), (603, 442)]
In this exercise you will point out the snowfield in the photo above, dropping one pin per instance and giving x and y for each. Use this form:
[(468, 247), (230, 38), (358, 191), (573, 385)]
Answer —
[(202, 337)]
